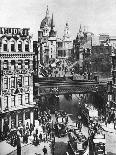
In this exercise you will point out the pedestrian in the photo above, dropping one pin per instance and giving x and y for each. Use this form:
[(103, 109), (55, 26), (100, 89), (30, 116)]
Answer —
[(45, 150), (40, 137), (44, 137)]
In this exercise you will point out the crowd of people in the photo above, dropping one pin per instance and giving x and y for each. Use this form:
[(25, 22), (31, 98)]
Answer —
[(44, 119)]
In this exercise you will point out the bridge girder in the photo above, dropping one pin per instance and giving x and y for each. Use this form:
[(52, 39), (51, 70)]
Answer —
[(77, 89)]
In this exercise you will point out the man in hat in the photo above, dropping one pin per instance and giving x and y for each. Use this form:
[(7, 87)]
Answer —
[(45, 150)]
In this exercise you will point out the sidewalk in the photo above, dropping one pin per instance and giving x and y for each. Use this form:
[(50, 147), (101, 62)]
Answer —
[(7, 149), (109, 128)]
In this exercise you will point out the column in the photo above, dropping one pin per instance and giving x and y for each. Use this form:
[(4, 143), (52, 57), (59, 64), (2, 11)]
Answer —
[(16, 46), (2, 124), (16, 119), (31, 64), (31, 117), (2, 103), (23, 64), (23, 46), (23, 98), (9, 101), (16, 100), (16, 64), (24, 118), (9, 121), (9, 64), (2, 64), (31, 95)]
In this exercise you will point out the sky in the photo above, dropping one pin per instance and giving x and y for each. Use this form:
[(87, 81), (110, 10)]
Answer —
[(98, 16)]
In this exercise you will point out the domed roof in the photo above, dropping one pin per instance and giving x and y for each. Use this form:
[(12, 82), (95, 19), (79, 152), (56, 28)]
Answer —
[(46, 20)]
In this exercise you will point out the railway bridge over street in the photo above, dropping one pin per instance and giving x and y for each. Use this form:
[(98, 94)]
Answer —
[(48, 90), (60, 86)]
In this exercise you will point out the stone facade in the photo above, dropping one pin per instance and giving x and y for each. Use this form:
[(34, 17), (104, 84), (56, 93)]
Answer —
[(16, 62)]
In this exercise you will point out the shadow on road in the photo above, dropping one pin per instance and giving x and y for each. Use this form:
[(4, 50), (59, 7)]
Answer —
[(110, 153), (60, 148)]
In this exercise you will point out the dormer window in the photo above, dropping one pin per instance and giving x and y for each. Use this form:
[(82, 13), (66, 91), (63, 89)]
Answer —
[(12, 47)]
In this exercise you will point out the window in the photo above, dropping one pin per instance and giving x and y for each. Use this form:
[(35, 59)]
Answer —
[(20, 47), (5, 64), (51, 42), (9, 30), (19, 81), (19, 99), (12, 82), (26, 81), (12, 64), (5, 102), (59, 53), (5, 83), (19, 64), (27, 47), (26, 64), (26, 98), (12, 101), (12, 47), (4, 47)]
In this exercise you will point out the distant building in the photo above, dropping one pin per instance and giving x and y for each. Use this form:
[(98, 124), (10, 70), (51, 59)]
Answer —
[(103, 38), (16, 62), (52, 49)]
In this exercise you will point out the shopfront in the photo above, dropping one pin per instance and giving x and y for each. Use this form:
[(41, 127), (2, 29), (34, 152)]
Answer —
[(20, 118), (27, 117)]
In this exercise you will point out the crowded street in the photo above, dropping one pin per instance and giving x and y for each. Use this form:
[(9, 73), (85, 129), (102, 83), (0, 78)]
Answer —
[(58, 77), (61, 143)]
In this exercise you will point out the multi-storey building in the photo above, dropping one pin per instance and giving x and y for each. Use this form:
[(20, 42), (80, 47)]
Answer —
[(16, 62), (53, 50)]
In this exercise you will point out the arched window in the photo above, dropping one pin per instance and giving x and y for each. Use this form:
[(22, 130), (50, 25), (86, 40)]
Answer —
[(5, 46), (12, 45), (20, 46), (26, 46)]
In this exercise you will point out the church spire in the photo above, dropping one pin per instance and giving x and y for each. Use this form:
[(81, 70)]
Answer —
[(66, 30), (52, 32), (80, 29), (47, 12), (52, 22)]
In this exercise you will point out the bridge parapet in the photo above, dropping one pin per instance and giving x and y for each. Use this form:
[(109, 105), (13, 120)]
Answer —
[(73, 88)]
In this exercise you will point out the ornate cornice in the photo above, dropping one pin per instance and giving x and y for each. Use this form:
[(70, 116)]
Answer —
[(17, 55), (12, 91), (17, 72)]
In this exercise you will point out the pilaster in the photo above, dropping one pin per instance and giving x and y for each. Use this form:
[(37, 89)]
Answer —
[(23, 98), (9, 121), (16, 64), (2, 124), (16, 119), (9, 101), (9, 64), (16, 100), (24, 118), (31, 117)]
